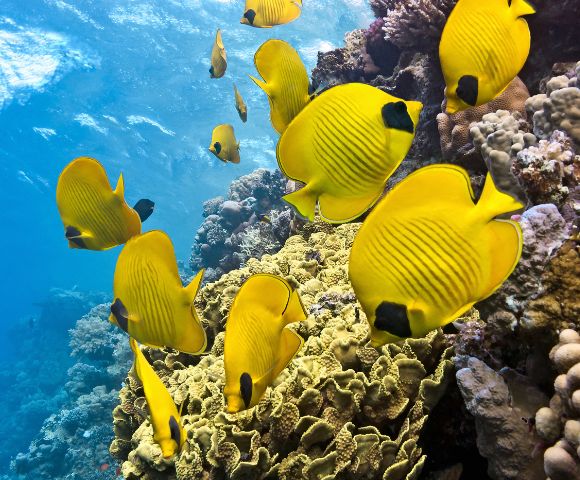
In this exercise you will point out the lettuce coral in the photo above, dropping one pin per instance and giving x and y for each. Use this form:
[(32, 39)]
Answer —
[(340, 410)]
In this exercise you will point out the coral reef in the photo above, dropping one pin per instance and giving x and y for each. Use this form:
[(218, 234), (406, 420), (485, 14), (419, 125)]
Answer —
[(340, 410), (73, 442), (558, 424), (252, 221)]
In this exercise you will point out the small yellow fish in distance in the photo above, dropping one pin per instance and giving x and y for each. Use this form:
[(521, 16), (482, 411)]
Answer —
[(257, 345), (165, 419), (219, 60), (151, 304), (427, 252), (483, 47), (240, 105), (285, 81), (268, 13), (95, 216), (224, 144), (344, 146)]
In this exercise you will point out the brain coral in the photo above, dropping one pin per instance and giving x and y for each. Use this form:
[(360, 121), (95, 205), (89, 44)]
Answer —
[(340, 410)]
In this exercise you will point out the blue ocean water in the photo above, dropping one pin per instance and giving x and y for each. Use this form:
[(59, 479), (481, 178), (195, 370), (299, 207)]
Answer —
[(126, 82)]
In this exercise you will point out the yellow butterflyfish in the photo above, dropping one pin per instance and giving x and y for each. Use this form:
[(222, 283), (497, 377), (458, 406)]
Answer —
[(240, 105), (427, 252), (165, 418), (151, 304), (219, 60), (344, 146), (257, 345), (224, 144), (268, 13), (483, 47), (285, 81), (95, 216)]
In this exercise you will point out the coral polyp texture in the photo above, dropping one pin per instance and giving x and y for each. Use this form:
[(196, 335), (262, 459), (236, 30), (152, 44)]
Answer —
[(558, 424), (340, 410)]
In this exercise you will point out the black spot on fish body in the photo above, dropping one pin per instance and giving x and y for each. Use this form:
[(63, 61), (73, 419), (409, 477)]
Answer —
[(211, 70), (175, 431), (218, 147), (395, 115), (392, 318), (246, 388), (72, 234), (250, 15), (467, 89), (144, 208), (121, 314)]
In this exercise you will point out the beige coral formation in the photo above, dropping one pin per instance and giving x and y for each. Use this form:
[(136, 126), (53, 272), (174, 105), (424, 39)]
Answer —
[(559, 424), (340, 410), (454, 129)]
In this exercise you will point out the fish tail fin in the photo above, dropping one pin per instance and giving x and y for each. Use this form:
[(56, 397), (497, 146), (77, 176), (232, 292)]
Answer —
[(519, 8), (304, 201), (120, 188), (295, 311), (494, 202), (263, 85)]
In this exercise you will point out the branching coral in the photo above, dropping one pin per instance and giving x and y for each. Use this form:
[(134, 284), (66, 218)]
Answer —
[(341, 409)]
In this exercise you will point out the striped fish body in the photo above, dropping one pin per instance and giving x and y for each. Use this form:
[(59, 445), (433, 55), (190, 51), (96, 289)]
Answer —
[(344, 146), (285, 81), (166, 421), (219, 61), (268, 13), (98, 216), (257, 345), (427, 253), (157, 310), (224, 144), (483, 47)]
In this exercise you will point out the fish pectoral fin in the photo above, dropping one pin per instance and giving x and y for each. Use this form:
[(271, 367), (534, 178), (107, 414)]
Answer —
[(295, 311), (290, 343), (304, 201), (334, 209)]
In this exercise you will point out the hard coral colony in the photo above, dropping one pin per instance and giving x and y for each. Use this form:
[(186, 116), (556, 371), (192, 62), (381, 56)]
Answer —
[(327, 359)]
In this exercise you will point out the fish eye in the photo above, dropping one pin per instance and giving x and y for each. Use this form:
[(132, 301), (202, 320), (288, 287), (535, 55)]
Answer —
[(218, 147)]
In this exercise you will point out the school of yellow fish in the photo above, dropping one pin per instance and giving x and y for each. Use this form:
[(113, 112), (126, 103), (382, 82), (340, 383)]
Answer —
[(425, 254)]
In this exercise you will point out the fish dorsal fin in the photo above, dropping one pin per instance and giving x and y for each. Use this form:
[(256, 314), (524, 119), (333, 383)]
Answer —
[(89, 170), (519, 8), (194, 285), (290, 343), (447, 183), (494, 202), (295, 311), (120, 188), (267, 291)]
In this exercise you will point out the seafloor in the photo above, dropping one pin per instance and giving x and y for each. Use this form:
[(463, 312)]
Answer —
[(494, 395)]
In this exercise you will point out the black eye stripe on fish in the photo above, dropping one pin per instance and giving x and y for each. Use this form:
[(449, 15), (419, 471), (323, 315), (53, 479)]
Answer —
[(395, 115), (121, 314), (175, 430), (467, 89), (392, 318), (246, 388), (218, 147), (73, 235), (250, 15)]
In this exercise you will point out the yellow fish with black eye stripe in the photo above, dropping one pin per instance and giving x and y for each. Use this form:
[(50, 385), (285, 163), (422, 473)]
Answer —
[(219, 59), (224, 144), (344, 146), (483, 47), (151, 304), (240, 105), (285, 81), (268, 13), (427, 252), (95, 216), (165, 419), (257, 345)]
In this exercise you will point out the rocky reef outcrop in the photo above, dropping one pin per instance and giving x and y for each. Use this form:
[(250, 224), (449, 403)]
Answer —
[(340, 410)]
